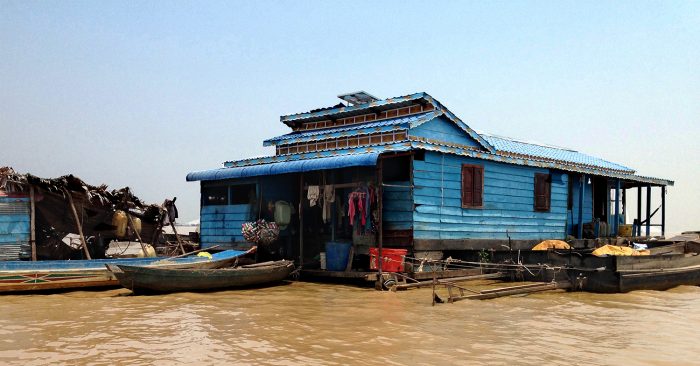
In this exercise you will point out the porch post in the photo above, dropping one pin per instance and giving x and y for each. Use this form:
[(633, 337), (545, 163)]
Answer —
[(301, 220), (639, 211), (380, 226), (581, 192), (616, 222), (663, 211), (648, 210)]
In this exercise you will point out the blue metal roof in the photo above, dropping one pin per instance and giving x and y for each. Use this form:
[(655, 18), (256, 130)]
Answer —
[(333, 162), (551, 153), (405, 121)]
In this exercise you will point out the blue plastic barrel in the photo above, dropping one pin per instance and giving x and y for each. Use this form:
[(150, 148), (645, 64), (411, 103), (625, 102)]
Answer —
[(337, 255)]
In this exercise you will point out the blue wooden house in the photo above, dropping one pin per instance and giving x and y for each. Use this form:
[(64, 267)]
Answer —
[(440, 185)]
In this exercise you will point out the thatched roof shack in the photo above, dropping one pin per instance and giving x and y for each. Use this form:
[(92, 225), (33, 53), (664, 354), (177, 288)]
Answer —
[(54, 219)]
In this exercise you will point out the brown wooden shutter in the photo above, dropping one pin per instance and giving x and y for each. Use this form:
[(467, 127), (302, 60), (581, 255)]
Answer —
[(542, 192), (467, 185), (472, 185), (478, 187)]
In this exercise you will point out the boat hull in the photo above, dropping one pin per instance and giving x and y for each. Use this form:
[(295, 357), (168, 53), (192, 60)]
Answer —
[(615, 274), (19, 276), (145, 279)]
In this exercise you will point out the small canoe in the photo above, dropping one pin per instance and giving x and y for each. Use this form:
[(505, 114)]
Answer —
[(17, 276), (141, 279)]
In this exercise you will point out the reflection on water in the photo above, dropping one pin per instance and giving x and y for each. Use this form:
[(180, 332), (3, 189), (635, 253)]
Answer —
[(313, 324)]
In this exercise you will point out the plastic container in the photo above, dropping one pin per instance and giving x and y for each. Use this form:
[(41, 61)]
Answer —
[(119, 221), (392, 259), (337, 255), (624, 230), (323, 260)]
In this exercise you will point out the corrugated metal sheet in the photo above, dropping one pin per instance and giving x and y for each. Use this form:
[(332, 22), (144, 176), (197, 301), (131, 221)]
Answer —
[(14, 227), (548, 152), (359, 128), (334, 162), (392, 146), (348, 110), (542, 163)]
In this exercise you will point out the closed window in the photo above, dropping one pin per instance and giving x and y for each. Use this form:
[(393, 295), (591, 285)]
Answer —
[(472, 186), (543, 191)]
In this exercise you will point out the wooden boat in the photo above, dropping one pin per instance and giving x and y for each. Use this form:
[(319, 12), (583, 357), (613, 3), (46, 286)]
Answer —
[(666, 267), (67, 274), (141, 279)]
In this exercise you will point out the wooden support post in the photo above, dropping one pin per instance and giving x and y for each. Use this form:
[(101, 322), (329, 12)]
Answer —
[(301, 220), (380, 226), (648, 226), (138, 235), (624, 206), (616, 220), (77, 223), (32, 222), (663, 211), (177, 237), (639, 210), (581, 193)]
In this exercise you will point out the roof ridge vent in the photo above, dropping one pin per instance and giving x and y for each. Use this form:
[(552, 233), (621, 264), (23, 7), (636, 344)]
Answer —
[(358, 97)]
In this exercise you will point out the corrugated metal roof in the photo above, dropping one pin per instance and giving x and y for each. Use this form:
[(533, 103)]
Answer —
[(333, 162), (404, 121), (506, 145), (350, 109), (542, 163)]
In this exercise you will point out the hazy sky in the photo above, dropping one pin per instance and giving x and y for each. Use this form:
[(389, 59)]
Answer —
[(141, 93)]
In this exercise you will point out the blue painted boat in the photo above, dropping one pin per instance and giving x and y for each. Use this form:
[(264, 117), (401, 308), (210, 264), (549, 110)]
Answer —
[(18, 276)]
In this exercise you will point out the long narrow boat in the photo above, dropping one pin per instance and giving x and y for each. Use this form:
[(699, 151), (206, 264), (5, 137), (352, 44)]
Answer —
[(67, 274), (144, 279), (666, 267)]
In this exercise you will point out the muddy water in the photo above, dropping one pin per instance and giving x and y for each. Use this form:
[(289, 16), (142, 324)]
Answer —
[(312, 324)]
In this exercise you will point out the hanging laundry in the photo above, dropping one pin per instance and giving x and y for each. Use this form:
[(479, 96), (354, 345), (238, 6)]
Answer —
[(328, 199), (356, 208), (313, 195)]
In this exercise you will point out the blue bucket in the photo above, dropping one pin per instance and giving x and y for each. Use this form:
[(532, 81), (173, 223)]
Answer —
[(337, 255)]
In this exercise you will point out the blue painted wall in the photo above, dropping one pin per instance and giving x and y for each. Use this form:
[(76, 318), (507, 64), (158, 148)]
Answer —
[(397, 206), (443, 130), (508, 202), (221, 224), (14, 226)]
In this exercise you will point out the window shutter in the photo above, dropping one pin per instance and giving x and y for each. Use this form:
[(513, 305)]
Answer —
[(478, 186), (542, 192), (472, 185), (467, 185)]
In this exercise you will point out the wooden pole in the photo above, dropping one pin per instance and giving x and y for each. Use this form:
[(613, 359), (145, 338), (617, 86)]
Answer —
[(663, 211), (648, 226), (581, 193), (138, 235), (616, 221), (301, 220), (177, 237), (380, 242), (639, 210), (77, 223), (32, 222)]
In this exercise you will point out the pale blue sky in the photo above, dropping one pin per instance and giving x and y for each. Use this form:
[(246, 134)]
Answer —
[(139, 94)]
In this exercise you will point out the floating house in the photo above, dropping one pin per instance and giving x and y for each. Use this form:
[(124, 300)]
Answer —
[(426, 181)]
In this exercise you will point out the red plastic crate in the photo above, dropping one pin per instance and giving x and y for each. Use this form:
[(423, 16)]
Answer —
[(392, 261)]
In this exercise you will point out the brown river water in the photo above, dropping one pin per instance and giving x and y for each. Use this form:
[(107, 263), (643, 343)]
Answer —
[(318, 324)]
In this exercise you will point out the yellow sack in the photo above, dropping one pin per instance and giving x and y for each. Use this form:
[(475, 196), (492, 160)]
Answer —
[(204, 254), (551, 244), (618, 250)]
